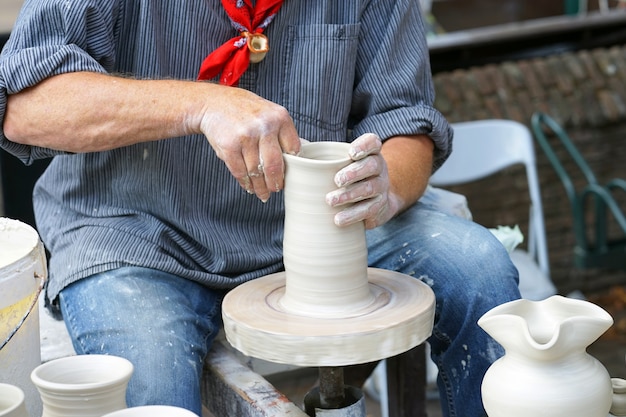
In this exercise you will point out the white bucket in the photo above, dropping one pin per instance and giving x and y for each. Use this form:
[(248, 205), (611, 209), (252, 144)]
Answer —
[(22, 273)]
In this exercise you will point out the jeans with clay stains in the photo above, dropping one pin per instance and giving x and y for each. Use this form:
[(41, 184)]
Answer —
[(165, 324), (162, 323), (470, 272)]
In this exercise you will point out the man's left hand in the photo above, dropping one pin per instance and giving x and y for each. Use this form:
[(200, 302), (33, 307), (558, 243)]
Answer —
[(364, 186)]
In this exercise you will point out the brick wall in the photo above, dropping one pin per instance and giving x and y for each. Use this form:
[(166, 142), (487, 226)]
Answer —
[(586, 92)]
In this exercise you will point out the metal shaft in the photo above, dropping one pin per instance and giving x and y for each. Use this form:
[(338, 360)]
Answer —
[(332, 390)]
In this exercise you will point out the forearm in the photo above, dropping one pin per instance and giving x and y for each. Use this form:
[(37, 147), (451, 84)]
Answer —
[(86, 112), (409, 164), (90, 112)]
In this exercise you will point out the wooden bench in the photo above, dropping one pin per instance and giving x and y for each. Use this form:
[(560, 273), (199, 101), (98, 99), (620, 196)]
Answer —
[(231, 389)]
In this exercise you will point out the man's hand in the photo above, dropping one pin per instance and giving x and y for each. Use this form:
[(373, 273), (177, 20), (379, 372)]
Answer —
[(250, 135), (364, 186), (247, 132)]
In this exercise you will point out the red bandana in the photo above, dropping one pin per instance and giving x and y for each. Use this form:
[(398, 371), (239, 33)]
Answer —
[(231, 59)]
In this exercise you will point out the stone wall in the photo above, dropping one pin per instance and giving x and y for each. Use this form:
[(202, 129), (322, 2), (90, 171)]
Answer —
[(585, 92)]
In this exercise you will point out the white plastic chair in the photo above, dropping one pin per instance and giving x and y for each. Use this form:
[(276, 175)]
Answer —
[(484, 147)]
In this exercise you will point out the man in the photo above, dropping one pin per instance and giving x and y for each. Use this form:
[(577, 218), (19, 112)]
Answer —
[(142, 208)]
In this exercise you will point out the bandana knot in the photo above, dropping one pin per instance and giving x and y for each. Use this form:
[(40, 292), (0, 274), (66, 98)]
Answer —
[(232, 59)]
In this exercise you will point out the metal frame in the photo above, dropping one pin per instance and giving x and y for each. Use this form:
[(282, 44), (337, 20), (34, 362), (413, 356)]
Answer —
[(590, 205)]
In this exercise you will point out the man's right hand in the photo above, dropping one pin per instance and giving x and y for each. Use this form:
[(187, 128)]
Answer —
[(91, 112), (250, 134)]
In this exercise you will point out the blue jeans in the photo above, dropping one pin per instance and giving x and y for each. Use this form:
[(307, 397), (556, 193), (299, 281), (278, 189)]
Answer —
[(470, 272), (165, 325)]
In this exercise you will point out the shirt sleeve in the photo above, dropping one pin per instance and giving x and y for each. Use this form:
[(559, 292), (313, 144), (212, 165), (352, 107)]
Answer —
[(53, 37), (394, 92)]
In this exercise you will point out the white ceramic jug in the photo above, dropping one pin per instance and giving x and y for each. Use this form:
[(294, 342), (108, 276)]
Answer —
[(83, 385), (152, 411), (12, 401), (546, 370)]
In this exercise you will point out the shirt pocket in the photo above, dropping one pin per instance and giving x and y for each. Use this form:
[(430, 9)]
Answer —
[(319, 78)]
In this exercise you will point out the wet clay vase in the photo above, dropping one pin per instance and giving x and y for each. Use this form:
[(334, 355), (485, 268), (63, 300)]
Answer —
[(12, 401), (546, 370), (327, 308), (152, 411), (83, 385), (326, 270)]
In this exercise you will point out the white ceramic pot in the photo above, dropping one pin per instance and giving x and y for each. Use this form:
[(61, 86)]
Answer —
[(152, 411), (83, 385), (546, 370), (12, 401)]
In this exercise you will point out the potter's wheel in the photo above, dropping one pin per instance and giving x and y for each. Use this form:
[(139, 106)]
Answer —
[(328, 309), (399, 318)]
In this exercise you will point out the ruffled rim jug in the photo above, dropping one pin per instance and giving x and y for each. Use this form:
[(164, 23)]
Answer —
[(555, 326)]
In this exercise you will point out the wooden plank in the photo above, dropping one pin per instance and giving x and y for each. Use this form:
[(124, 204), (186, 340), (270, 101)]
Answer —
[(232, 389)]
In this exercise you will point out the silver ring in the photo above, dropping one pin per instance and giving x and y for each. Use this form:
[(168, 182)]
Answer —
[(257, 173)]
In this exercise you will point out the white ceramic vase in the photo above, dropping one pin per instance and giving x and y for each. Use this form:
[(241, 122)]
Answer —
[(326, 270), (83, 385), (12, 401), (546, 370), (152, 411)]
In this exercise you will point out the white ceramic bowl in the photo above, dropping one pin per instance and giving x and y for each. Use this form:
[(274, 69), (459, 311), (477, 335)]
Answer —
[(12, 401), (152, 411)]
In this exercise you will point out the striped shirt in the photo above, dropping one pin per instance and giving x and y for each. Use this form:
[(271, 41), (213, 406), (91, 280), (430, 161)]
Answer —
[(341, 68)]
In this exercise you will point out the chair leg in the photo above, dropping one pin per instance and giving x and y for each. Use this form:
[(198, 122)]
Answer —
[(406, 383)]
